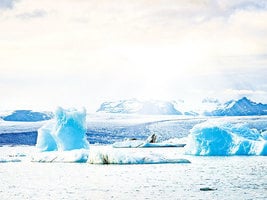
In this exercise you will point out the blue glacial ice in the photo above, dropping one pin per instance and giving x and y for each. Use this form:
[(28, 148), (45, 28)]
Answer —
[(64, 140), (66, 133), (222, 139)]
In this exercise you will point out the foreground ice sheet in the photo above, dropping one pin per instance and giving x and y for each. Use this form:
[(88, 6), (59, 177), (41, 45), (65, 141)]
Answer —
[(98, 155), (110, 155), (66, 135), (78, 155), (212, 138)]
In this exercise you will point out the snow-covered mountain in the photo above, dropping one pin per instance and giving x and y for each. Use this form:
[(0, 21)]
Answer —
[(208, 107), (134, 106), (241, 107), (27, 116)]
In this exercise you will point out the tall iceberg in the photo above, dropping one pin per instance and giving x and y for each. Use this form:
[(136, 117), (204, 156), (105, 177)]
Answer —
[(222, 139), (67, 132)]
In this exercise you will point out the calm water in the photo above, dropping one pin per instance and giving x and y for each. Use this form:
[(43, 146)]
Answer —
[(239, 177)]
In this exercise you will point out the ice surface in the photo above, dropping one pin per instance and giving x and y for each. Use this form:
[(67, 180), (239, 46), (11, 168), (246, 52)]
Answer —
[(10, 127), (151, 141), (66, 132), (144, 144), (77, 155), (109, 155), (220, 139), (13, 154), (128, 144)]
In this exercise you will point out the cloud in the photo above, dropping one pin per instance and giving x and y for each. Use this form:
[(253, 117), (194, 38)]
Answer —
[(244, 5), (255, 95), (34, 14), (7, 4), (162, 48), (244, 92)]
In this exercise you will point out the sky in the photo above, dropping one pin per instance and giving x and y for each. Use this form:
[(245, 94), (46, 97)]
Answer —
[(80, 53)]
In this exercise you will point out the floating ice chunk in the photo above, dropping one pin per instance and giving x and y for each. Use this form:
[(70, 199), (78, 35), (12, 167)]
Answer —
[(162, 144), (149, 142), (129, 144), (143, 144), (108, 155), (220, 139), (64, 133), (133, 143), (77, 155)]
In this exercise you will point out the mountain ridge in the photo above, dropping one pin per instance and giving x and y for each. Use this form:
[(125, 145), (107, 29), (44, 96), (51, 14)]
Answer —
[(134, 106), (210, 107), (240, 107)]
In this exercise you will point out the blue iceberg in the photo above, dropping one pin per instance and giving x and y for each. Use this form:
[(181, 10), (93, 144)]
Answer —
[(67, 132), (222, 139)]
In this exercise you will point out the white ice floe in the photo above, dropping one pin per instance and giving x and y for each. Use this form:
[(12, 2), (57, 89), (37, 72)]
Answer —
[(144, 144), (109, 155), (77, 155), (148, 143)]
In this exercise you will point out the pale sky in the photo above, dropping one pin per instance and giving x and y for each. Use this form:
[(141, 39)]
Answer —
[(83, 52)]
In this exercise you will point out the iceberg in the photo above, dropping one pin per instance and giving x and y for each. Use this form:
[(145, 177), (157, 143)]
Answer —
[(264, 135), (222, 139), (67, 132)]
